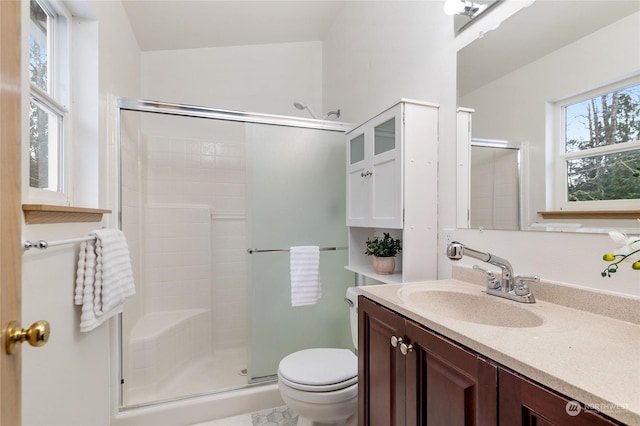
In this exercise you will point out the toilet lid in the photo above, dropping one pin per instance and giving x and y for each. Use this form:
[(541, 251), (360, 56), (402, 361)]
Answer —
[(326, 368)]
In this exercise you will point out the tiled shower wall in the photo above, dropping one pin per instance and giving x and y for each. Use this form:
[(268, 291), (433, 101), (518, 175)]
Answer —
[(201, 163), (494, 189), (177, 248), (183, 192), (132, 159)]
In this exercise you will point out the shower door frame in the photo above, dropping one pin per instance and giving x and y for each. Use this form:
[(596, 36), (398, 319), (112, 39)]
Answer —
[(140, 105)]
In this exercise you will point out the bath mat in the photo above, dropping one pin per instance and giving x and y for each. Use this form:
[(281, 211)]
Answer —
[(279, 416)]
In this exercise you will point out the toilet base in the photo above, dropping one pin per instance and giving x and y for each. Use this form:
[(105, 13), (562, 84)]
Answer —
[(351, 421), (323, 408)]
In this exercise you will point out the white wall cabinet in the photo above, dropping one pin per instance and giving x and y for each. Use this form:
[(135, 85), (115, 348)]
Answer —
[(392, 187), (374, 172)]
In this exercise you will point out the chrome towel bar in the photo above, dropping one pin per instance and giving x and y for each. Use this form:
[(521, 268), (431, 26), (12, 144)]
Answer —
[(255, 250), (42, 244)]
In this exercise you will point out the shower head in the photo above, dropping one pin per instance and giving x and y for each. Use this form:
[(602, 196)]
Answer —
[(302, 106), (330, 113)]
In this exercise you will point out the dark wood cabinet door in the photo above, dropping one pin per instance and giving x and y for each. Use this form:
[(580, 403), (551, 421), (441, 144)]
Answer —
[(436, 383), (381, 367), (523, 402), (450, 385)]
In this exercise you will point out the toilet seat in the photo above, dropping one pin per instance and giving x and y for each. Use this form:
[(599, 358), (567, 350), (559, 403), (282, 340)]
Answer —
[(319, 369)]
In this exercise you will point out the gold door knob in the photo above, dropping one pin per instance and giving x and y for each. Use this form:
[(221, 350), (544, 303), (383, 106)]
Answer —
[(36, 335)]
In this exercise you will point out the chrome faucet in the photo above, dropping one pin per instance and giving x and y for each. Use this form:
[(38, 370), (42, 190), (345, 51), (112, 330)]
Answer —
[(508, 286)]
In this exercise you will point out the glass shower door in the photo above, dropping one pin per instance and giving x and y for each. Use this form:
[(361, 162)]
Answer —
[(296, 197)]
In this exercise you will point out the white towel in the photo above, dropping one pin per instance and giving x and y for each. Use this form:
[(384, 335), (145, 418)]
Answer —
[(104, 278), (305, 275)]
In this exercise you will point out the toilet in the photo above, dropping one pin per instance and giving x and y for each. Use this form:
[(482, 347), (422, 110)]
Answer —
[(321, 384)]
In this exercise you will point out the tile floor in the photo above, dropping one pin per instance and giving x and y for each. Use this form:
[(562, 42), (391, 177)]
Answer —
[(278, 416), (241, 420)]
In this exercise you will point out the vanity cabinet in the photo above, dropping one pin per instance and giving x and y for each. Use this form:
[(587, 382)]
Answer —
[(523, 402), (391, 175), (409, 375)]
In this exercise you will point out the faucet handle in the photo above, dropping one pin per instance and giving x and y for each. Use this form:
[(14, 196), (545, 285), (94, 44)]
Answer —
[(492, 281), (521, 288), (522, 279)]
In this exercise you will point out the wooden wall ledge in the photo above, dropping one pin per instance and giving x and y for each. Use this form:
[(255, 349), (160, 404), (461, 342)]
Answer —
[(591, 214), (44, 213)]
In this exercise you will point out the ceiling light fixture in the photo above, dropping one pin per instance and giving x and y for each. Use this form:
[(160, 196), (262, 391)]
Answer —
[(463, 7)]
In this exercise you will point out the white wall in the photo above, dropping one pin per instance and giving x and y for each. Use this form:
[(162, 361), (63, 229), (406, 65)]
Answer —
[(379, 51), (68, 381), (258, 78)]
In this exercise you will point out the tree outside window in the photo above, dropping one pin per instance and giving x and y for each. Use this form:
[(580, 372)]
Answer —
[(45, 110), (602, 147)]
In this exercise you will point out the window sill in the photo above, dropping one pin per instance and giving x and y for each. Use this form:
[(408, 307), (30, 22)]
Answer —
[(591, 214), (45, 213)]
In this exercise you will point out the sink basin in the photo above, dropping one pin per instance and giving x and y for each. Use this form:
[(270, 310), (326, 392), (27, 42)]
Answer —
[(479, 308)]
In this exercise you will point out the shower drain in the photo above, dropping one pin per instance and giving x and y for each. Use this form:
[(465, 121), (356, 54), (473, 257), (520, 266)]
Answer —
[(243, 372)]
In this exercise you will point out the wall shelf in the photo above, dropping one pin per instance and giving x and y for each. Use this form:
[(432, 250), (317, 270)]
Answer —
[(368, 272), (45, 213), (591, 214)]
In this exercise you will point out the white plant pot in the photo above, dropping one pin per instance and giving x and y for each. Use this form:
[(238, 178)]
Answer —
[(384, 265)]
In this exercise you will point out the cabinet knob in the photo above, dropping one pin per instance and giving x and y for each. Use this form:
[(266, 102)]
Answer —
[(395, 341), (365, 174), (405, 349)]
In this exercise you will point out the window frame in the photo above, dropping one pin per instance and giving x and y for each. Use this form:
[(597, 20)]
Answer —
[(56, 99), (560, 157)]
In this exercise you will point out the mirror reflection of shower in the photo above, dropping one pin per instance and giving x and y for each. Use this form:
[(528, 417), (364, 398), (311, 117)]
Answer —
[(496, 184), (302, 106)]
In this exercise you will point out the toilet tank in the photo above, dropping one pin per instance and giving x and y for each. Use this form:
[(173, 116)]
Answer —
[(352, 299)]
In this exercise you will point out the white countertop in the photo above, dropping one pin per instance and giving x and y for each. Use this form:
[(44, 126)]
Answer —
[(590, 357)]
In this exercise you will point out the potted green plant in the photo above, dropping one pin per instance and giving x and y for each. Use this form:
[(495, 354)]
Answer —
[(384, 251)]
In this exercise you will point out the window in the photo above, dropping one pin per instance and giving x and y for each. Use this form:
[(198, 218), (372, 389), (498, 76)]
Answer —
[(48, 103), (598, 166)]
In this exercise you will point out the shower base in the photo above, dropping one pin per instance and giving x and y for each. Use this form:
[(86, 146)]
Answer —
[(207, 374)]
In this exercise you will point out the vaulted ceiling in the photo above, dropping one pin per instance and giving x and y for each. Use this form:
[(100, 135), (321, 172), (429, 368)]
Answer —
[(186, 24)]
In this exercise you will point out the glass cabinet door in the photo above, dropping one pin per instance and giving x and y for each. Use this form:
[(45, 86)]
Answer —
[(358, 180), (384, 136), (356, 149), (386, 170)]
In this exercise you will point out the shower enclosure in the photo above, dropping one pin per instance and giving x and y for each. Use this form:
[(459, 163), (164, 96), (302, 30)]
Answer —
[(210, 202)]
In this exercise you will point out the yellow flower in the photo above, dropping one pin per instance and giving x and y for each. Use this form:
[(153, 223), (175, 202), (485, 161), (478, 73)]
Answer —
[(628, 251)]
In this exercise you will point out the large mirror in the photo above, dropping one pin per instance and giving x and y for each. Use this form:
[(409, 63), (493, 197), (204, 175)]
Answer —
[(543, 53)]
